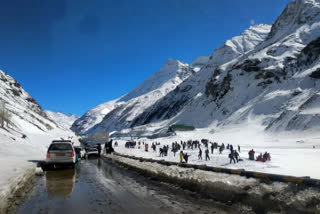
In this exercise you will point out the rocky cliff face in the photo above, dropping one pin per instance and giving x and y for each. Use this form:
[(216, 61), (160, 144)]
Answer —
[(25, 113)]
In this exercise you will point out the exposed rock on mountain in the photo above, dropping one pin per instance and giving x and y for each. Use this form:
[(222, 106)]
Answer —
[(195, 86), (25, 113)]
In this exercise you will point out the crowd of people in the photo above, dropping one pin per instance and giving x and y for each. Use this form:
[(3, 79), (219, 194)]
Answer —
[(208, 146)]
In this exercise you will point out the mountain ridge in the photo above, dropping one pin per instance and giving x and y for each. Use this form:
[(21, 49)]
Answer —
[(267, 74), (172, 73)]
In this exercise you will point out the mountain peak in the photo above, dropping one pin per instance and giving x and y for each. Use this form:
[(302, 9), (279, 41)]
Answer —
[(295, 14), (172, 61), (241, 44), (199, 62), (170, 71), (172, 65)]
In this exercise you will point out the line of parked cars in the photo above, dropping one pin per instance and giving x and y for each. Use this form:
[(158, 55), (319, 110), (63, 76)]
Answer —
[(64, 153)]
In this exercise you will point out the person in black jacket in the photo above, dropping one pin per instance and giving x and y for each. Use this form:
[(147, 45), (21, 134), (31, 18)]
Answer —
[(236, 154), (220, 149), (251, 154), (231, 148), (200, 154), (212, 148), (207, 154), (186, 157), (231, 156)]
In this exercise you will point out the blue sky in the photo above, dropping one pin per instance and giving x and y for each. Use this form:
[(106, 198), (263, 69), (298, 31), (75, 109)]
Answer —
[(72, 55)]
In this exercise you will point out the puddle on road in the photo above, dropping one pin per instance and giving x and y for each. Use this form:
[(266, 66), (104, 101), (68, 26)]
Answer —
[(58, 191), (60, 183)]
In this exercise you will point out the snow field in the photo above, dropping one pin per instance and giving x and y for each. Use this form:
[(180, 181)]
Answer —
[(290, 154)]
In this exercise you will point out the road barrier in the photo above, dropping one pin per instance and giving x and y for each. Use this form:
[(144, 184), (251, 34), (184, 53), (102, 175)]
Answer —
[(249, 174)]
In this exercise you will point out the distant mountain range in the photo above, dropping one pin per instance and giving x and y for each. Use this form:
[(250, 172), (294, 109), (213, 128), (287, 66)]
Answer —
[(64, 121), (269, 74)]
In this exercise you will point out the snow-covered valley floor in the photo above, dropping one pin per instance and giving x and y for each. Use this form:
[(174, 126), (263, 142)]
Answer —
[(291, 153)]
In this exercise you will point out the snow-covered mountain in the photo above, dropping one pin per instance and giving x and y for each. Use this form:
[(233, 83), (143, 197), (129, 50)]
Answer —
[(64, 121), (275, 82), (118, 114), (190, 91), (268, 74), (25, 113), (93, 116)]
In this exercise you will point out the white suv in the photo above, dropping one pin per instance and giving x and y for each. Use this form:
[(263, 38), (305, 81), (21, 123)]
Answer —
[(61, 152)]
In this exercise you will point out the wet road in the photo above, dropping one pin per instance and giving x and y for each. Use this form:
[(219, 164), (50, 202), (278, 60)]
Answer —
[(97, 186)]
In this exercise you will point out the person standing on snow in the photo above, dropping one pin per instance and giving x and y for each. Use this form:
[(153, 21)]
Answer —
[(212, 148), (231, 156), (236, 154), (251, 154), (200, 154), (238, 148), (174, 150), (181, 156), (220, 149), (186, 157), (207, 154)]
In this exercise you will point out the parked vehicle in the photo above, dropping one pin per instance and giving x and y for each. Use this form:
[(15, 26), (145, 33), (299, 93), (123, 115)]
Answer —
[(61, 152), (92, 152)]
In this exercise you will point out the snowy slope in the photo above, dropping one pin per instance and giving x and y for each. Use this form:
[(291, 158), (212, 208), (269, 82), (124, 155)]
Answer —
[(162, 81), (64, 121), (272, 83), (199, 62), (194, 87), (93, 117), (118, 114), (24, 109), (239, 45)]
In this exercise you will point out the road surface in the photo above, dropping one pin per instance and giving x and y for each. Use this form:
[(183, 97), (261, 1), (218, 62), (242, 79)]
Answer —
[(98, 186)]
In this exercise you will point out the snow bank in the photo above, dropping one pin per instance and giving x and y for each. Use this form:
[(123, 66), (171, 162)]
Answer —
[(18, 157), (9, 192), (249, 194)]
